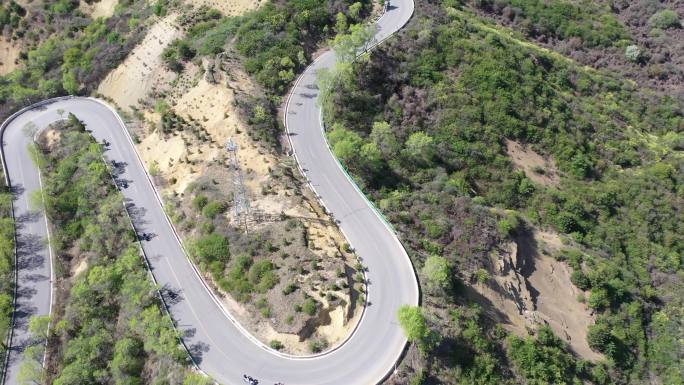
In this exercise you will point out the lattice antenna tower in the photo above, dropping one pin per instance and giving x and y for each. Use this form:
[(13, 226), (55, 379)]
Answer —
[(239, 190)]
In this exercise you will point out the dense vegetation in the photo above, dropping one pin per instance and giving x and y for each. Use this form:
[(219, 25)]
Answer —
[(6, 265), (276, 40), (11, 15), (589, 21), (641, 39), (111, 327), (273, 270), (422, 123), (67, 53)]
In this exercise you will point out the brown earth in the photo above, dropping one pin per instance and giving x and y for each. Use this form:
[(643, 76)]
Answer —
[(195, 155), (9, 53), (530, 288), (143, 71), (541, 170), (102, 8), (213, 106)]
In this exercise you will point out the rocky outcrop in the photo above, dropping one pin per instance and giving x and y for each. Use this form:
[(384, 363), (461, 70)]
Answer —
[(528, 288)]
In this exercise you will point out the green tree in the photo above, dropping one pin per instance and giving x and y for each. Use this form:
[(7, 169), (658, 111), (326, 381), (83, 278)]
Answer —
[(346, 144), (341, 23), (599, 336), (355, 11), (31, 370), (348, 46), (128, 361), (370, 158), (70, 83), (383, 137), (437, 270), (39, 326), (212, 247), (413, 322), (420, 148)]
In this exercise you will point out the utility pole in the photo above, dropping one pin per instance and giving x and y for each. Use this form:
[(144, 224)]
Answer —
[(240, 198)]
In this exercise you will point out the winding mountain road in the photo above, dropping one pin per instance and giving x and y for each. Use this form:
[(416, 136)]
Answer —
[(218, 344)]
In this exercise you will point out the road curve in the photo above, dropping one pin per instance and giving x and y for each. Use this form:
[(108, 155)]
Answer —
[(217, 344)]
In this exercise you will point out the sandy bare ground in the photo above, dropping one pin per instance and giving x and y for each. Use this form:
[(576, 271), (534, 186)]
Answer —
[(557, 300), (143, 71), (530, 288), (9, 53), (182, 158), (213, 106), (102, 8), (540, 170)]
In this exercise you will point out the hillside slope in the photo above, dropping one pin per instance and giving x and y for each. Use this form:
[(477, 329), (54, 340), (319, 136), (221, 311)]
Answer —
[(527, 178)]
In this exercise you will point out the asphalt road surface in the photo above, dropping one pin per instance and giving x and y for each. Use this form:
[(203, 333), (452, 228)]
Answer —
[(218, 345)]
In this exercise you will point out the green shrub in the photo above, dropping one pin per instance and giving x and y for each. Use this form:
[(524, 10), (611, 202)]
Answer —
[(567, 19), (599, 337), (437, 270), (199, 201), (176, 53), (310, 307), (197, 379), (317, 346), (212, 247), (580, 280), (264, 307), (664, 19), (262, 275), (277, 345), (633, 53), (290, 288), (213, 209), (544, 360)]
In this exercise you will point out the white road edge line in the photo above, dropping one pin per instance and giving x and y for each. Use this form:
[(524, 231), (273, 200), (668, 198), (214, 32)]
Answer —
[(192, 264)]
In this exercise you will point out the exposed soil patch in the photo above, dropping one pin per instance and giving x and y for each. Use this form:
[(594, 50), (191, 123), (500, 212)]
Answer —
[(531, 288), (9, 53), (102, 8), (191, 159), (557, 297), (541, 170), (143, 70)]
